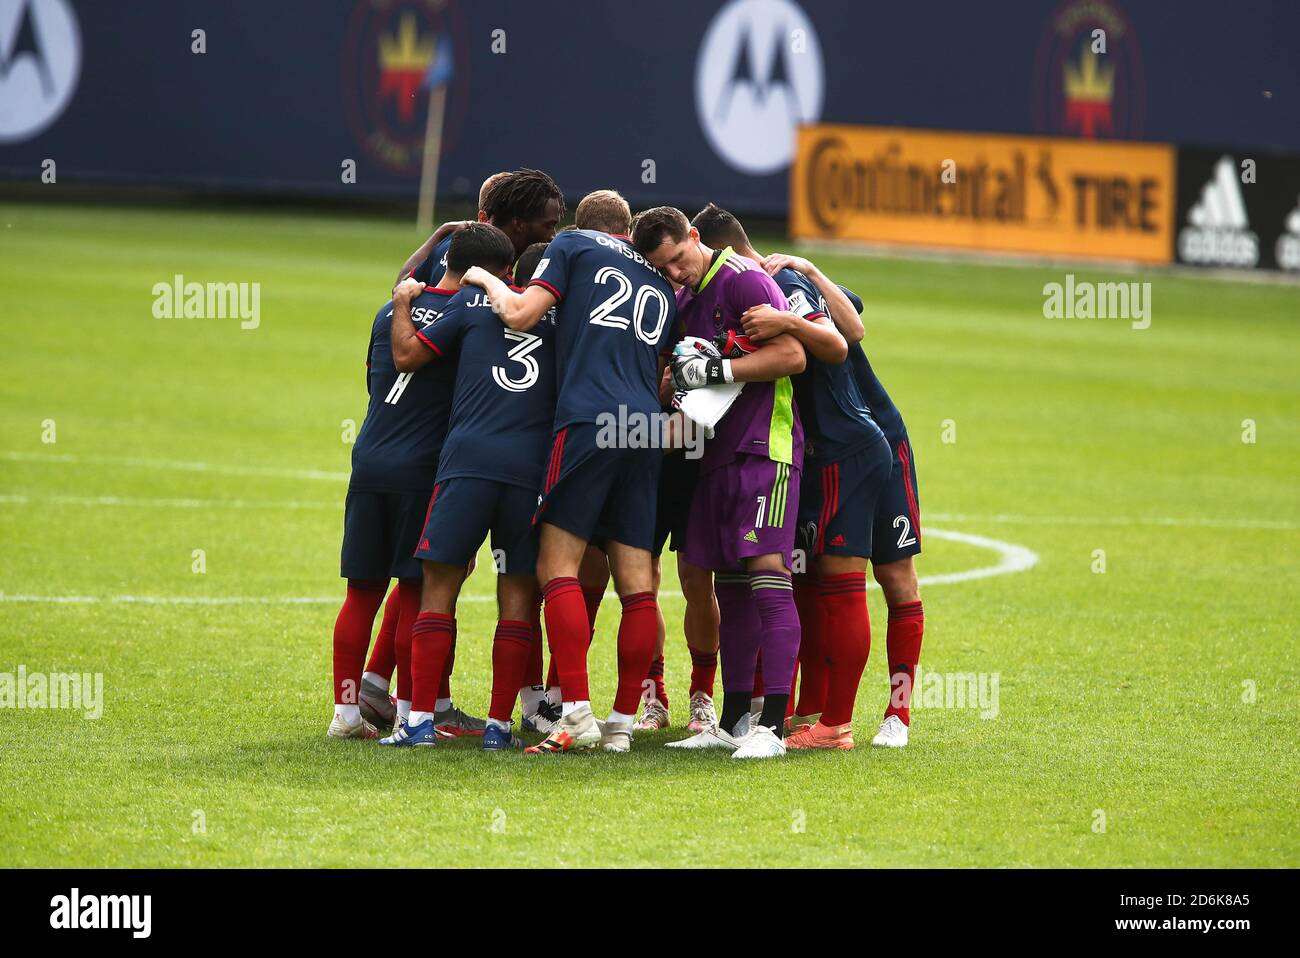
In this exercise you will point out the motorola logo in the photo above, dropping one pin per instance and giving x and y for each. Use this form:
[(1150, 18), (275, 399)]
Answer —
[(758, 76), (40, 61)]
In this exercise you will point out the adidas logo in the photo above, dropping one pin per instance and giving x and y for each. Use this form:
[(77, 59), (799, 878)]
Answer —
[(1288, 244), (1218, 231), (837, 541), (751, 536)]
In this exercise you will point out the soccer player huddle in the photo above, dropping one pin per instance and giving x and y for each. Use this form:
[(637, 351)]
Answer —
[(754, 440)]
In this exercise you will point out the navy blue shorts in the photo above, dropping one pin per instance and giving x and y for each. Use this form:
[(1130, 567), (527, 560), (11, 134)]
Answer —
[(600, 495), (673, 504), (466, 510), (898, 512), (838, 503), (380, 531)]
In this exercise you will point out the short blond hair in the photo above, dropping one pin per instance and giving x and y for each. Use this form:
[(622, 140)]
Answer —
[(605, 211)]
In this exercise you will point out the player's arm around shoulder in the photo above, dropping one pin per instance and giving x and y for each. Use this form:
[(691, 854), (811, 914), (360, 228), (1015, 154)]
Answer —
[(520, 311), (782, 354), (409, 352), (842, 311), (778, 358), (817, 334)]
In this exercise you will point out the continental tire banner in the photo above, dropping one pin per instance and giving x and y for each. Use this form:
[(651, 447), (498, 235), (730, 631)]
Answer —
[(1019, 194), (1238, 209)]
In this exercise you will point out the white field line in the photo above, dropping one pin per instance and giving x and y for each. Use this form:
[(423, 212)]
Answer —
[(1011, 558), (134, 462), (1207, 522), (24, 499)]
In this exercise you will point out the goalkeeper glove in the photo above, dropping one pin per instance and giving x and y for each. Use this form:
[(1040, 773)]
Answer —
[(692, 372)]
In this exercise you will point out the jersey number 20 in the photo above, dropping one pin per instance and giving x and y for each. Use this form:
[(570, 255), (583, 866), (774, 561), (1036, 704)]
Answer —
[(603, 315)]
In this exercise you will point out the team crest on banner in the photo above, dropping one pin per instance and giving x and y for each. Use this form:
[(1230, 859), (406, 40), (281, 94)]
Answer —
[(391, 49), (1087, 78)]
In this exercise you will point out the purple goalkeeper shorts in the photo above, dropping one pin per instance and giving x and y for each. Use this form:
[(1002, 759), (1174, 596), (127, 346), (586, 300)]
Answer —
[(747, 508)]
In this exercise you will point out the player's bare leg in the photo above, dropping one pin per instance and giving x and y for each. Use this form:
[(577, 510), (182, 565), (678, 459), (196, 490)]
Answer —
[(568, 630), (431, 638), (701, 627), (654, 699), (512, 646), (903, 642), (841, 599)]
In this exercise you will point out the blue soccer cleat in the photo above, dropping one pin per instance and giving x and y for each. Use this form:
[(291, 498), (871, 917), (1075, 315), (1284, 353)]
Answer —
[(500, 739), (411, 736)]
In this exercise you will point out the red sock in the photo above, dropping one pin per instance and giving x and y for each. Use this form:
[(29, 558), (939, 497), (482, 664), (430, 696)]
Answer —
[(409, 606), (842, 599), (812, 651), (444, 687), (794, 684), (568, 630), (533, 674), (758, 678), (430, 646), (511, 648), (704, 669), (592, 599), (638, 633), (352, 637), (903, 645), (383, 657), (656, 674)]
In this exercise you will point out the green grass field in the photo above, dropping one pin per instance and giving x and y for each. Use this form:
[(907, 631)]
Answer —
[(1159, 699)]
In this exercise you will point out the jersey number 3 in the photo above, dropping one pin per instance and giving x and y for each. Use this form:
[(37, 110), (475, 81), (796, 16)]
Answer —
[(524, 343)]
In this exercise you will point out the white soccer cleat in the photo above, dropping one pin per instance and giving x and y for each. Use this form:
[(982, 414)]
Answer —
[(545, 720), (703, 714), (653, 717), (892, 734), (714, 737), (341, 729), (762, 742), (615, 736)]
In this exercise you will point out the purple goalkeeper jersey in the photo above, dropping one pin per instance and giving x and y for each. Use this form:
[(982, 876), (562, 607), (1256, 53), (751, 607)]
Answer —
[(763, 420)]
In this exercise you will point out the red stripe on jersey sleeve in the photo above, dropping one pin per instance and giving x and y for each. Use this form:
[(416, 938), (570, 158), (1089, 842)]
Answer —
[(548, 287), (424, 339)]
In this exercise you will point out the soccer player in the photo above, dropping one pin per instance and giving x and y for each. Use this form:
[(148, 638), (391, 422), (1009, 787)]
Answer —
[(606, 211), (847, 462), (740, 526), (614, 315), (394, 463), (488, 476), (896, 526), (526, 205)]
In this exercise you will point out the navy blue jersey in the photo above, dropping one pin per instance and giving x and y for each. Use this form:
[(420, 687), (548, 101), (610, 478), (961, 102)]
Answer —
[(435, 264), (505, 392), (836, 419), (614, 320), (406, 421), (883, 410)]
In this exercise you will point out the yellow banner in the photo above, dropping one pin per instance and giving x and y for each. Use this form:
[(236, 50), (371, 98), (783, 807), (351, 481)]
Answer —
[(985, 192)]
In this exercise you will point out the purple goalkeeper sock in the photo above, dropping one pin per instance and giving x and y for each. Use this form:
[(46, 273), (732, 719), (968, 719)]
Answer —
[(774, 598), (739, 631)]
